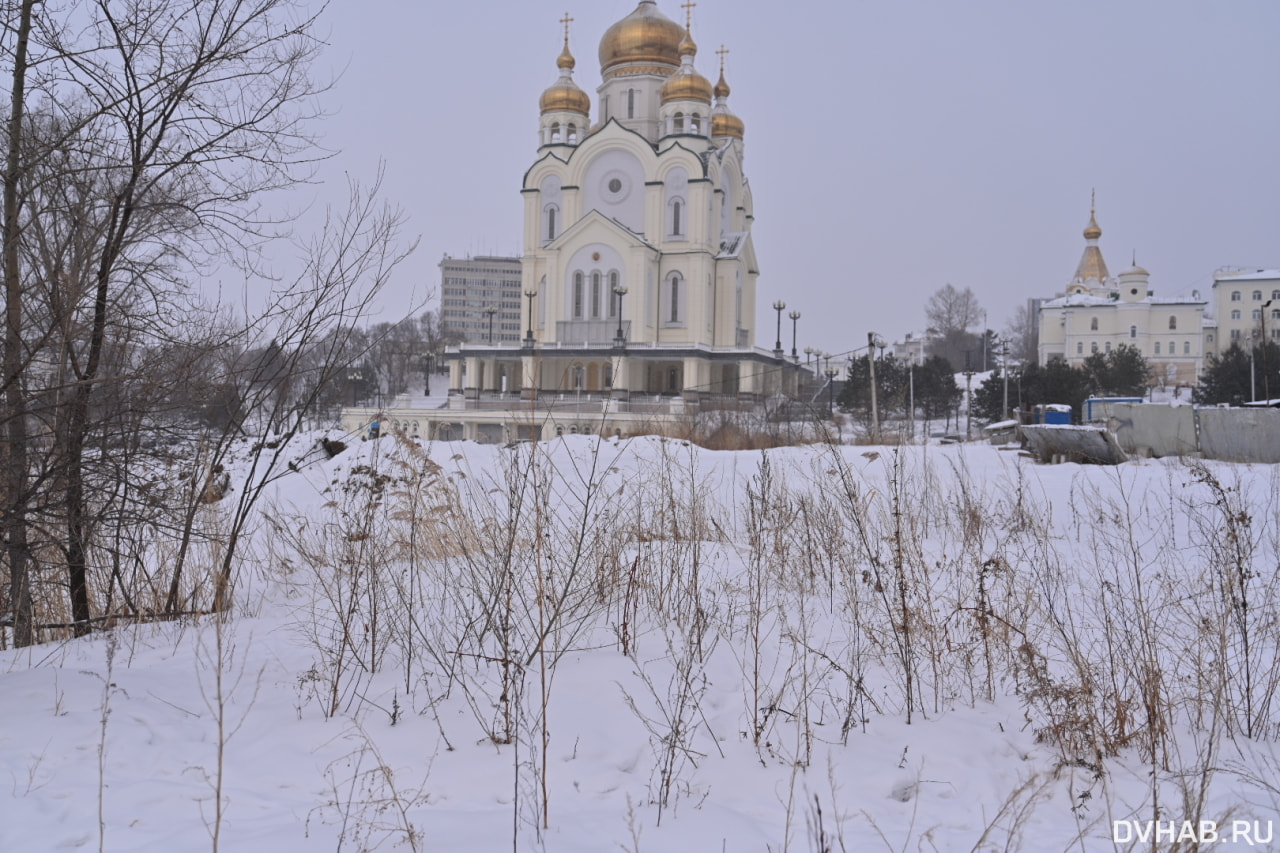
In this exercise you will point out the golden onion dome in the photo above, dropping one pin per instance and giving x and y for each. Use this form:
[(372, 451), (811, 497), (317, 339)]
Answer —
[(687, 85), (565, 61), (565, 94), (722, 88), (646, 39), (725, 123), (1092, 231)]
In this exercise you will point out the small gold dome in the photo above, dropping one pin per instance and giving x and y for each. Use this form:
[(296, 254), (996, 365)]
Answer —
[(726, 124), (565, 61), (646, 37), (722, 87), (687, 85), (1092, 231)]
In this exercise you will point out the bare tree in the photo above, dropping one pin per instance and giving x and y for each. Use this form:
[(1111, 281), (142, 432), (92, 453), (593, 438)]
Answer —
[(1023, 331), (952, 310), (161, 124)]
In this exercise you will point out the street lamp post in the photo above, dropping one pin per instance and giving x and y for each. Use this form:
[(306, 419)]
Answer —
[(528, 338), (777, 347), (808, 357), (1004, 368), (1266, 381), (794, 315), (968, 398), (619, 291), (831, 390), (490, 311)]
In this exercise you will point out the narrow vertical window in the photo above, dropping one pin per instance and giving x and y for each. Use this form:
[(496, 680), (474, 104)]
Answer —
[(675, 299), (595, 295), (631, 103), (613, 297), (551, 223), (1173, 323), (577, 296), (675, 219)]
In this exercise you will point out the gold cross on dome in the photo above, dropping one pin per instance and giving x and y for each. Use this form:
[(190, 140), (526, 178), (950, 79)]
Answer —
[(566, 20), (688, 13), (722, 53)]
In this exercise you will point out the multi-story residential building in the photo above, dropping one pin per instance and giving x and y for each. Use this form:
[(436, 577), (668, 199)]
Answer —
[(1246, 306), (471, 286)]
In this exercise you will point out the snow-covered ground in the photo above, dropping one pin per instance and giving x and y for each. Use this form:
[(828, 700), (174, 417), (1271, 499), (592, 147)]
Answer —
[(642, 645)]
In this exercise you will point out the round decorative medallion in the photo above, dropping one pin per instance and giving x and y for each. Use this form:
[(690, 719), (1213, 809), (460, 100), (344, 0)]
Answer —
[(615, 187), (595, 256)]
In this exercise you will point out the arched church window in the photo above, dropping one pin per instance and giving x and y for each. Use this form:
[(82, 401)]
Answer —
[(675, 298), (1079, 347), (678, 125), (695, 122), (578, 296), (555, 132), (631, 103), (1173, 323), (608, 376), (675, 218), (551, 223), (595, 295), (1093, 324), (573, 134), (613, 297), (1173, 347)]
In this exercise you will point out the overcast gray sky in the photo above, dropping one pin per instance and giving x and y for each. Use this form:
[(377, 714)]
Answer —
[(892, 147)]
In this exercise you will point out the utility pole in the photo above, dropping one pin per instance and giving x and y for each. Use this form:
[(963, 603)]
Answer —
[(871, 362)]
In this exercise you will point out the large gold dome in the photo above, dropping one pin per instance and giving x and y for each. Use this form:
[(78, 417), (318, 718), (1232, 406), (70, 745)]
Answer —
[(646, 41)]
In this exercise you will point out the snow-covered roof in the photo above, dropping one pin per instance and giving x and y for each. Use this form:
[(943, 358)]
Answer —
[(1223, 275)]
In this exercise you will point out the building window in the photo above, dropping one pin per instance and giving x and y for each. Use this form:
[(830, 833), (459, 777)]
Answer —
[(1256, 314), (1157, 348), (1173, 323), (1235, 296), (1173, 347), (1235, 315), (1235, 334), (595, 295), (1133, 332), (1108, 345), (1257, 296), (675, 219), (577, 296), (613, 297), (675, 299), (678, 124), (1093, 324), (1079, 347), (1186, 347), (1093, 346), (551, 224), (1275, 334), (1275, 294), (631, 103)]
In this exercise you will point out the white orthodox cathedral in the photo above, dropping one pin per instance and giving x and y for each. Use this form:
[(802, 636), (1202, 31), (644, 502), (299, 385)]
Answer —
[(638, 273)]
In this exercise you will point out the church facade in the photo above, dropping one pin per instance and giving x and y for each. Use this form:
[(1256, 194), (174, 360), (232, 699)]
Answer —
[(638, 272), (1099, 312)]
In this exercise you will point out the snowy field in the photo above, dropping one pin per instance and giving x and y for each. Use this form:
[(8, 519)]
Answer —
[(640, 645)]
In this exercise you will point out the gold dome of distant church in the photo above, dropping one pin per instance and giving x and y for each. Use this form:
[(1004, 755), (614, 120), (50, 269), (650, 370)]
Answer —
[(644, 42)]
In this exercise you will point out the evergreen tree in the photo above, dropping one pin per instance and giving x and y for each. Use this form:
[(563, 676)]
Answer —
[(1122, 372), (1230, 378)]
